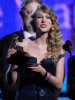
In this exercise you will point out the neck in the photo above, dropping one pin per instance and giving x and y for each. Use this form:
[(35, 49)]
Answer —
[(41, 39)]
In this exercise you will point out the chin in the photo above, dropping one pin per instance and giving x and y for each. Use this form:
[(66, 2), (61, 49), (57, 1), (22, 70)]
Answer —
[(30, 26), (44, 31)]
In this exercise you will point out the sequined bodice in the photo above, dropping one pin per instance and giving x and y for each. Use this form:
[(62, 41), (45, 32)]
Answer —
[(33, 85)]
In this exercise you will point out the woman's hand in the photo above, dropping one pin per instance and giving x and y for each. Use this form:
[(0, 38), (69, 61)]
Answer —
[(10, 52), (38, 68)]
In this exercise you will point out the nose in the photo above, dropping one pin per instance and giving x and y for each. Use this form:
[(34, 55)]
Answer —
[(29, 13), (43, 19)]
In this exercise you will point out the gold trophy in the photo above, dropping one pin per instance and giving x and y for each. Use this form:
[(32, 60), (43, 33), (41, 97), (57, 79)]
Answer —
[(14, 43), (20, 56)]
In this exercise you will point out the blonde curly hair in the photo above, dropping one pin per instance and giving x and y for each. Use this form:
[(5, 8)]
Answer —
[(54, 39)]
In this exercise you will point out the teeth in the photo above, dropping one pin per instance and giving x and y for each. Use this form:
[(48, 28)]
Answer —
[(43, 25)]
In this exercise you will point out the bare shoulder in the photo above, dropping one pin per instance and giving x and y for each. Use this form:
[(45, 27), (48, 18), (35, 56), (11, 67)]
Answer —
[(61, 57), (23, 43), (62, 53)]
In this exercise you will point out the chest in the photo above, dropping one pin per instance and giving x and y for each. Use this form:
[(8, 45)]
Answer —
[(37, 52)]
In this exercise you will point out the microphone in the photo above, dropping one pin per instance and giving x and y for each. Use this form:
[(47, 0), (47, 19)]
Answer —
[(67, 46)]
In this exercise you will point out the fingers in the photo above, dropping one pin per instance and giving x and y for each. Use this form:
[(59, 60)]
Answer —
[(37, 68), (35, 64), (34, 68), (10, 52)]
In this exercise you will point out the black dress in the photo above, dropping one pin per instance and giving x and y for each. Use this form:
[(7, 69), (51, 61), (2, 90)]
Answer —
[(33, 86)]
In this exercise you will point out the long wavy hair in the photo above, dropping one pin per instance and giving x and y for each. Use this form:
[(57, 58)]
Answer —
[(54, 39)]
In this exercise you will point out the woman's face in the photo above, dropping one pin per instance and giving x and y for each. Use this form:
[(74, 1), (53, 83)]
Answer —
[(42, 22)]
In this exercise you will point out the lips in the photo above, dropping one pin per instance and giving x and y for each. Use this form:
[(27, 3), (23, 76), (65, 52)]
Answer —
[(43, 25)]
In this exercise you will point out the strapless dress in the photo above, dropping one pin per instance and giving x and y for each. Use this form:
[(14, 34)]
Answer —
[(33, 86)]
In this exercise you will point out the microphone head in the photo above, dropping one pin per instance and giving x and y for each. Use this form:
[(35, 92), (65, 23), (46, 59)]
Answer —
[(67, 46), (68, 42)]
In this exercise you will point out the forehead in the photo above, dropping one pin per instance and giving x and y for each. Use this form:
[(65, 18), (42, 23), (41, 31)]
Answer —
[(40, 12), (31, 6)]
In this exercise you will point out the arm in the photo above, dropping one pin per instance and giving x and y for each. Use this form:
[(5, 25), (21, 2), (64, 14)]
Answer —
[(11, 75), (57, 80), (3, 68)]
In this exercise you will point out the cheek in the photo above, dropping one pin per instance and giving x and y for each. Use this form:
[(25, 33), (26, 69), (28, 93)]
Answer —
[(49, 26), (49, 23)]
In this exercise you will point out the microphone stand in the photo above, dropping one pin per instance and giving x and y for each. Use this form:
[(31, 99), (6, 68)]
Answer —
[(71, 65)]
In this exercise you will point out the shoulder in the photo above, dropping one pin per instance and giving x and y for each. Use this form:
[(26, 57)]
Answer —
[(7, 36), (27, 41), (6, 39), (62, 53), (24, 42)]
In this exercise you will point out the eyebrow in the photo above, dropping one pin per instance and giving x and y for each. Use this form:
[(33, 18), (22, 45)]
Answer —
[(41, 14)]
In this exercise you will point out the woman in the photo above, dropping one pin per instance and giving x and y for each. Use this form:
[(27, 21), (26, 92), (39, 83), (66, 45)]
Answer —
[(41, 80)]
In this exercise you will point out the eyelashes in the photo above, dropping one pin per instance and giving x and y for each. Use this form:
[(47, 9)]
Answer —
[(43, 17)]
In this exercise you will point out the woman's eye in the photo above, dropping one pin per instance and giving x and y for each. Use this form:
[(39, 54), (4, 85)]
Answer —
[(39, 17), (48, 17)]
